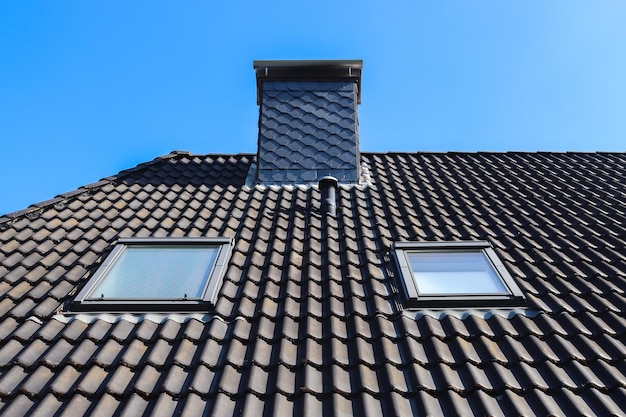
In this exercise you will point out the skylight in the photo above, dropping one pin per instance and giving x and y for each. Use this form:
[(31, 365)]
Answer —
[(455, 274), (157, 274)]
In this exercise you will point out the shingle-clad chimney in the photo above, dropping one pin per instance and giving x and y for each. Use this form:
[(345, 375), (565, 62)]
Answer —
[(308, 124)]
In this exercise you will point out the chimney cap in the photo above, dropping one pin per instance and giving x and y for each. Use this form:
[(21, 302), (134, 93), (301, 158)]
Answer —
[(315, 70), (328, 181)]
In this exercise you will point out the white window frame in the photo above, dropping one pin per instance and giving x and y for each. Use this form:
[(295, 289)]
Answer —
[(212, 286), (512, 297)]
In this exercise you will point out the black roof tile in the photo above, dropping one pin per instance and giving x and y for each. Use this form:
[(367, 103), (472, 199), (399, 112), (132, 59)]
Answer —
[(192, 406), (11, 380), (108, 353), (120, 382), (91, 381), (58, 353), (121, 330), (45, 407), (83, 354), (147, 383), (18, 406), (64, 381), (159, 353), (134, 353), (175, 381), (32, 353), (50, 331), (136, 405), (78, 405), (106, 406)]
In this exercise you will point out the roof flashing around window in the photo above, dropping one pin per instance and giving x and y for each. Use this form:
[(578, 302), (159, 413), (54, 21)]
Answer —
[(196, 273), (501, 289)]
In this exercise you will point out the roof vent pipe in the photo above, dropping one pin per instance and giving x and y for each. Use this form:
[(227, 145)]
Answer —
[(328, 188)]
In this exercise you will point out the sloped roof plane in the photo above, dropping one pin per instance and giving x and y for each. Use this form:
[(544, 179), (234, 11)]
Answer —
[(311, 318)]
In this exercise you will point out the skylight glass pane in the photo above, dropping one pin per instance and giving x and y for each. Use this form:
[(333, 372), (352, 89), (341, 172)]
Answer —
[(458, 272), (158, 272)]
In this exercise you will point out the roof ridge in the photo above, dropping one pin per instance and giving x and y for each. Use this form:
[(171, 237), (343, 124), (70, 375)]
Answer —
[(38, 206), (63, 197), (494, 152)]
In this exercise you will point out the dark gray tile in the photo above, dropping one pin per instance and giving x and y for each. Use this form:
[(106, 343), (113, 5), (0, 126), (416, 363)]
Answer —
[(147, 381), (11, 379), (92, 381), (176, 381), (9, 351), (107, 405), (47, 406), (65, 380), (83, 353), (120, 381), (136, 405), (18, 406), (33, 352)]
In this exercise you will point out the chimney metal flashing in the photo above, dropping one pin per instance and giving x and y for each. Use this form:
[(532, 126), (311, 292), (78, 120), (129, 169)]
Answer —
[(308, 124), (312, 70)]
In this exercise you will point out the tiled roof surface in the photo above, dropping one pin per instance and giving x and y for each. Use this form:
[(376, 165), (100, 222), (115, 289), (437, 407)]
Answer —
[(310, 320), (308, 130)]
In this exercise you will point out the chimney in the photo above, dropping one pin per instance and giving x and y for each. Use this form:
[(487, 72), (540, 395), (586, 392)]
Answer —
[(308, 125)]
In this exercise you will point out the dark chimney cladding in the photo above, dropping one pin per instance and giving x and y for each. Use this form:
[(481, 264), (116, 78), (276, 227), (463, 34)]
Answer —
[(308, 124)]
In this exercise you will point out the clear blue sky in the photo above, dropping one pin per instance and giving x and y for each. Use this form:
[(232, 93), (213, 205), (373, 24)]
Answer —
[(88, 88)]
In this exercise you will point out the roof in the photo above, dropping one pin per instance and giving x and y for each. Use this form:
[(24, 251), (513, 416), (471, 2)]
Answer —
[(311, 319)]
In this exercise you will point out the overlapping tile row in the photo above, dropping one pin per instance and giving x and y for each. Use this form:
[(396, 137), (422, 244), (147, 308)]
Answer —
[(311, 319)]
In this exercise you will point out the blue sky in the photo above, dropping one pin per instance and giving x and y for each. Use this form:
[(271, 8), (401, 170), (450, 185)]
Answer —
[(88, 88)]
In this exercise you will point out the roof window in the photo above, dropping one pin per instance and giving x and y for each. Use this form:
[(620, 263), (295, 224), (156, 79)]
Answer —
[(455, 274), (157, 275)]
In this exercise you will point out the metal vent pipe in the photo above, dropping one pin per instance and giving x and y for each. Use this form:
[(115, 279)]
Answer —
[(328, 188)]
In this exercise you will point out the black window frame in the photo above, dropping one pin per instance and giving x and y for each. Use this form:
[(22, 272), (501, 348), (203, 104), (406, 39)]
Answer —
[(212, 286), (513, 297)]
